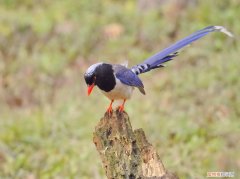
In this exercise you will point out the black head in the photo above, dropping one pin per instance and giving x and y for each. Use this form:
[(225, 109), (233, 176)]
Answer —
[(90, 77), (102, 75)]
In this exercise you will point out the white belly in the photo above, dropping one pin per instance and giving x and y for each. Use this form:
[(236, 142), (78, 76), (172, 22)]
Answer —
[(120, 91)]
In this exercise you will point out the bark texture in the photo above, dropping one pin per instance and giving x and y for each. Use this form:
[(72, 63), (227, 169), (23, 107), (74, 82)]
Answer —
[(126, 153)]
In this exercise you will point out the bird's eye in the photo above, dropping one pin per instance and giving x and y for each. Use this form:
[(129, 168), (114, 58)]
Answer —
[(90, 79)]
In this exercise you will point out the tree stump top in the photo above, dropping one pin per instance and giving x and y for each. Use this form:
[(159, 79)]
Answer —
[(126, 153)]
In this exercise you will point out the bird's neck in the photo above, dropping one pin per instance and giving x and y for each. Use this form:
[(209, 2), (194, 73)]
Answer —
[(105, 78)]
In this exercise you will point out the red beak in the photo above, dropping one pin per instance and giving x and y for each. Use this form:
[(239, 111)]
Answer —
[(90, 88)]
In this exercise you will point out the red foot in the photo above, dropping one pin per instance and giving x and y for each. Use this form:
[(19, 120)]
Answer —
[(109, 109), (121, 108)]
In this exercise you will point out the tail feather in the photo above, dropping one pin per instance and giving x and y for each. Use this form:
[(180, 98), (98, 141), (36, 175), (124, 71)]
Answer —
[(142, 68), (170, 52)]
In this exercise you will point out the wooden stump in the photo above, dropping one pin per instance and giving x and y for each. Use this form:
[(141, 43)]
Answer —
[(126, 153)]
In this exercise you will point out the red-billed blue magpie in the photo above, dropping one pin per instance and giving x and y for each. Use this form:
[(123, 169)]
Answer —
[(117, 81)]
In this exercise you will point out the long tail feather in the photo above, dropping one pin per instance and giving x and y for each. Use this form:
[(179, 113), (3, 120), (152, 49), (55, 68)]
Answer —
[(168, 53)]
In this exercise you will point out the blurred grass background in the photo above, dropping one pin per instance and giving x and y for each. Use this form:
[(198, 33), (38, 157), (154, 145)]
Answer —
[(190, 113)]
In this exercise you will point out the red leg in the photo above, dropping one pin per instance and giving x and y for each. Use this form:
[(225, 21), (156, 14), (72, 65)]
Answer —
[(121, 108), (109, 109)]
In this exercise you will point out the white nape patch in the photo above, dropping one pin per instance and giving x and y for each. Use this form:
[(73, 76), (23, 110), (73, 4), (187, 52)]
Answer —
[(91, 69), (223, 30), (125, 63)]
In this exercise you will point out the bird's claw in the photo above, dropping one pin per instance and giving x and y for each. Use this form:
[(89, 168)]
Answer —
[(109, 111), (120, 111), (120, 108)]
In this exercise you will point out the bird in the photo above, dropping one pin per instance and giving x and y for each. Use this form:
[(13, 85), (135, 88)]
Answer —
[(117, 81)]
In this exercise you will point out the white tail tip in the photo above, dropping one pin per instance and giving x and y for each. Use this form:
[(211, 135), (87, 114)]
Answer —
[(223, 30)]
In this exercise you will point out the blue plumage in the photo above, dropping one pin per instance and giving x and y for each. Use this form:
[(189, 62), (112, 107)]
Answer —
[(127, 77), (118, 81), (168, 53)]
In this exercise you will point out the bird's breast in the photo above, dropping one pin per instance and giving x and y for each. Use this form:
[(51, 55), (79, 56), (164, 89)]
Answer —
[(120, 91)]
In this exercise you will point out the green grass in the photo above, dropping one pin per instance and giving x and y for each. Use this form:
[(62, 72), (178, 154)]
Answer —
[(190, 113)]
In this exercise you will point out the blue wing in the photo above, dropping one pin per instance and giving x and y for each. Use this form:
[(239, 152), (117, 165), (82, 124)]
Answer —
[(127, 77), (170, 52)]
